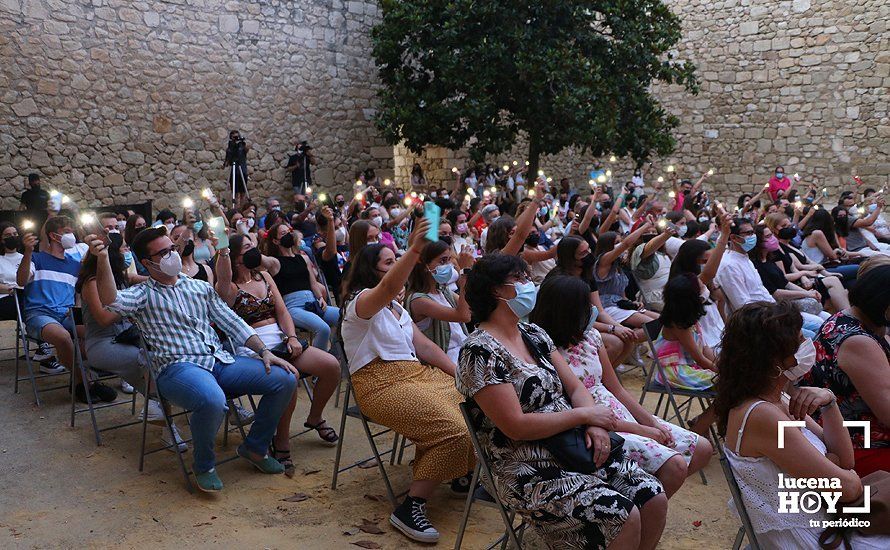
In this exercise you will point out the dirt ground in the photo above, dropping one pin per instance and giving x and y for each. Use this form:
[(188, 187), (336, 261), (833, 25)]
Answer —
[(62, 491)]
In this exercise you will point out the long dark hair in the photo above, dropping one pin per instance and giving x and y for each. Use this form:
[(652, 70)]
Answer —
[(90, 266), (562, 309), (130, 230), (362, 271), (499, 233), (686, 260), (757, 338), (490, 271), (419, 278), (683, 305), (822, 220), (606, 243)]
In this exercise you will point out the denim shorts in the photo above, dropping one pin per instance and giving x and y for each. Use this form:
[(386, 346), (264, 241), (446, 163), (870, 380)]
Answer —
[(36, 319)]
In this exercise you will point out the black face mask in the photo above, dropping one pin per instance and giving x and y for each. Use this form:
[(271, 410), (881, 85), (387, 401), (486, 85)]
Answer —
[(12, 243), (299, 206), (533, 239), (340, 202), (115, 240), (447, 239), (287, 241), (588, 261), (787, 233), (189, 248), (252, 258), (607, 205)]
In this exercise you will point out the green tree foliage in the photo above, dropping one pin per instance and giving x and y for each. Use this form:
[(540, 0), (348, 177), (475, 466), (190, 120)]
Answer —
[(476, 73)]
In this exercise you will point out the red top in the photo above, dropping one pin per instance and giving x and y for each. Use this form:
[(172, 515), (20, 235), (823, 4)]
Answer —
[(776, 185)]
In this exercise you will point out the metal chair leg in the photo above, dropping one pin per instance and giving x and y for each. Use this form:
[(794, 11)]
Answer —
[(739, 539), (467, 506), (390, 492), (342, 437)]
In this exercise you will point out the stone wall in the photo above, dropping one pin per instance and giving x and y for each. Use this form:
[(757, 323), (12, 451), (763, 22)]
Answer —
[(120, 101)]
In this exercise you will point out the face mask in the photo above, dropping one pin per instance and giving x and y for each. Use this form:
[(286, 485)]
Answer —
[(446, 239), (287, 241), (771, 244), (779, 175), (872, 207), (68, 241), (250, 222), (189, 248), (462, 228), (115, 239), (681, 230), (594, 313), (703, 219), (588, 261), (340, 234), (121, 225), (442, 274), (128, 259), (12, 243), (749, 243), (493, 219), (198, 225), (252, 258), (543, 211), (341, 202), (169, 227), (299, 206), (533, 238), (524, 302), (171, 265), (277, 208), (395, 212), (377, 221), (805, 357)]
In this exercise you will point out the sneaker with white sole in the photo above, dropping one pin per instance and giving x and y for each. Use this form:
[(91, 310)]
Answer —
[(155, 414), (244, 415), (410, 518), (167, 440), (52, 367), (622, 368), (126, 387), (44, 352)]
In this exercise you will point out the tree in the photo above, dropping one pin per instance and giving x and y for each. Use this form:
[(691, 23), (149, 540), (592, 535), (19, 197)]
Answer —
[(476, 73)]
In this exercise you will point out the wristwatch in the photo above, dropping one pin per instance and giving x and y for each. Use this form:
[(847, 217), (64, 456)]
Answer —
[(264, 350), (611, 329)]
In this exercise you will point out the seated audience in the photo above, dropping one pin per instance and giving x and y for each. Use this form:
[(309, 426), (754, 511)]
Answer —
[(9, 265), (191, 367), (763, 352), (394, 389), (665, 450), (521, 391), (612, 281)]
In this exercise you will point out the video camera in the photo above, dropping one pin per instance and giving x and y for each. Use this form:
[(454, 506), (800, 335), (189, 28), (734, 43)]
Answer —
[(303, 147)]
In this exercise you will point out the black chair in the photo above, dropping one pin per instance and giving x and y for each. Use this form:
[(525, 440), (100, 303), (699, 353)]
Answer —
[(22, 344), (747, 528)]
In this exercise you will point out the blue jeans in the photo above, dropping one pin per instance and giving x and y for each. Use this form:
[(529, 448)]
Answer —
[(204, 393), (320, 327), (36, 320), (847, 271)]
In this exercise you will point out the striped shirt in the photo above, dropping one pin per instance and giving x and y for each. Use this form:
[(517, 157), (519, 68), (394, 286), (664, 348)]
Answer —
[(175, 321), (52, 287)]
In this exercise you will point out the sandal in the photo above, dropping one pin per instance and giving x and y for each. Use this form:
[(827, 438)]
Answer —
[(326, 433), (283, 458)]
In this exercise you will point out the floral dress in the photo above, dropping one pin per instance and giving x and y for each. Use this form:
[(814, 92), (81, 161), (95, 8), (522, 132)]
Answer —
[(567, 509), (583, 359), (826, 374)]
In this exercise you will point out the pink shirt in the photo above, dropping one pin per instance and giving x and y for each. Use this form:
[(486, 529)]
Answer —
[(776, 185)]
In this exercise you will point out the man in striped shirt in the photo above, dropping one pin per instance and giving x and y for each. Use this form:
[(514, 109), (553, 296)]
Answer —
[(174, 314)]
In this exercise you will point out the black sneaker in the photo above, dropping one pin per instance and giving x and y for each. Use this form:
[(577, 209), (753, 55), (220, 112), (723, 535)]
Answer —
[(410, 519), (461, 485), (98, 392)]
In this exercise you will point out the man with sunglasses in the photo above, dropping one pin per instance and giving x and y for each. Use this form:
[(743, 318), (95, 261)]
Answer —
[(174, 314)]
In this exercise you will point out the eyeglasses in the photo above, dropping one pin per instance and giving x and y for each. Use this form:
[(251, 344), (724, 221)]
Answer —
[(163, 253), (746, 233)]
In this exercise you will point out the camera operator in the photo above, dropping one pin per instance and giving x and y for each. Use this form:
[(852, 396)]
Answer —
[(236, 155), (299, 167)]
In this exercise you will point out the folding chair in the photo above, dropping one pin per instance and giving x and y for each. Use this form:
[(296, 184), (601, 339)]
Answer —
[(482, 477), (747, 529), (85, 377), (22, 343), (355, 412), (151, 381), (672, 410)]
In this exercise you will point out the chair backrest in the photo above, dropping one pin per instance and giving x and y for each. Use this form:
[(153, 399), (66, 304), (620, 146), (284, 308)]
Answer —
[(737, 499), (481, 452)]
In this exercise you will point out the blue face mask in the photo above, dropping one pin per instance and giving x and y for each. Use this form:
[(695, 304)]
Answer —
[(524, 302), (128, 259), (199, 225), (779, 175), (872, 207), (442, 274), (750, 243), (594, 313)]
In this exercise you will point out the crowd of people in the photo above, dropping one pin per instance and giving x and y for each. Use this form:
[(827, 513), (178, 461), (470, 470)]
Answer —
[(530, 302)]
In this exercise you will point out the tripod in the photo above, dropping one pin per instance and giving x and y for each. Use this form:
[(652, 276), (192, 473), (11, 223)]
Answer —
[(236, 166)]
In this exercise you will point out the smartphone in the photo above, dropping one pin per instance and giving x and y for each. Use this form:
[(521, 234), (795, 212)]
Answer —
[(432, 213), (218, 226)]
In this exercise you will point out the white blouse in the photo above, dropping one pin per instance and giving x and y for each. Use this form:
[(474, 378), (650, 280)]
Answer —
[(383, 336)]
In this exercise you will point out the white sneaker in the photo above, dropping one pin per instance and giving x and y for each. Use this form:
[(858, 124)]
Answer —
[(245, 415), (167, 440), (155, 414), (52, 367), (126, 387), (622, 368), (44, 352)]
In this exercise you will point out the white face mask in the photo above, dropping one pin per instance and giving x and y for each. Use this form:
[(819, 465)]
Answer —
[(121, 225), (250, 222), (169, 227), (340, 234), (805, 357), (171, 265), (377, 221), (394, 213), (681, 231), (68, 241)]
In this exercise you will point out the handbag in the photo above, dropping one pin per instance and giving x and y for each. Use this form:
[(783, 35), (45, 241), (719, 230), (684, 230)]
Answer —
[(128, 337), (878, 516), (571, 452)]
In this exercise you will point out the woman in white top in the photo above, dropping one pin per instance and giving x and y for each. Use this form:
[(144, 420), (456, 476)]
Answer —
[(763, 354), (437, 311), (384, 349), (9, 265)]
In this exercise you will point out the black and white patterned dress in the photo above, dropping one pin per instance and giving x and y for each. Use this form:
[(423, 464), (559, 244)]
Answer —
[(567, 509)]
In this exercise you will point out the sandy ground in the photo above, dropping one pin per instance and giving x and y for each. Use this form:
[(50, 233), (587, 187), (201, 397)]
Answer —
[(59, 490)]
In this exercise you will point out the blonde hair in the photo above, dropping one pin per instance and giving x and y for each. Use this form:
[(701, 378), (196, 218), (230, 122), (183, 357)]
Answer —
[(772, 220)]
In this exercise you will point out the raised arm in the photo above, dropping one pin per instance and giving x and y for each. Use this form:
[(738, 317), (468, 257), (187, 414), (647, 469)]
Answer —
[(378, 297), (871, 218), (709, 271), (524, 223), (224, 286), (609, 257), (330, 235), (23, 274), (613, 214), (105, 284)]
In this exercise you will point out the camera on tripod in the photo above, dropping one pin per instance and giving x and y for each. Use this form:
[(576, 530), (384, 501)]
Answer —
[(303, 147)]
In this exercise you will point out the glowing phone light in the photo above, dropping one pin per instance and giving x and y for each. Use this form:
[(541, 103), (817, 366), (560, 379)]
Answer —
[(711, 172), (670, 168), (188, 202), (87, 218), (612, 158), (27, 225), (206, 193)]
